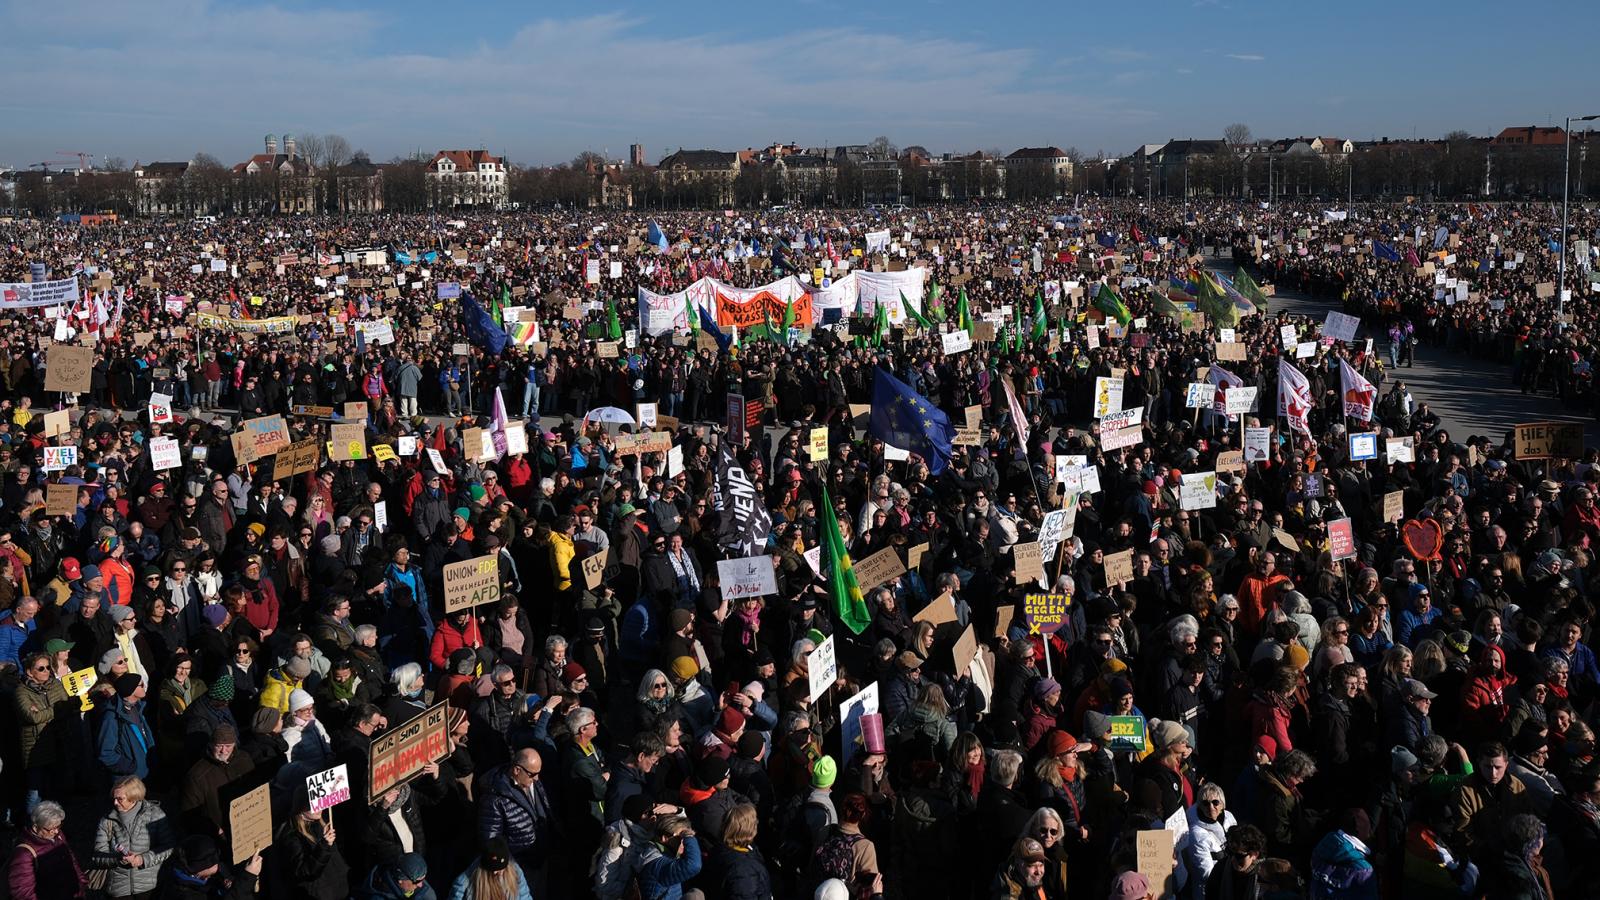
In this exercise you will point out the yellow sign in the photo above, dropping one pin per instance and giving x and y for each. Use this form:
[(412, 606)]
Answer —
[(77, 684), (382, 452), (818, 449)]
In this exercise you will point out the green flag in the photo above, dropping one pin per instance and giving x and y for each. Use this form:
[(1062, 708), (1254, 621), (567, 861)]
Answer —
[(1038, 317), (788, 322), (1107, 301), (963, 312), (848, 605), (1215, 303), (936, 303), (694, 317), (916, 317), (613, 324), (497, 310), (1247, 286), (880, 325)]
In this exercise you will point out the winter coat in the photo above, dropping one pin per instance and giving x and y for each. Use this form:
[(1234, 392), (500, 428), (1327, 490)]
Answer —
[(662, 877), (508, 811), (918, 721), (126, 740), (148, 833), (1200, 846), (44, 869), (37, 728), (310, 867), (741, 875), (1341, 867)]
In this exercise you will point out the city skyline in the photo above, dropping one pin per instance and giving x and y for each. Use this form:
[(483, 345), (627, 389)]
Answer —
[(170, 78)]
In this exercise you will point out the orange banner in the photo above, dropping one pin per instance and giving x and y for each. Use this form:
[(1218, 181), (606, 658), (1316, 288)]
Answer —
[(760, 309)]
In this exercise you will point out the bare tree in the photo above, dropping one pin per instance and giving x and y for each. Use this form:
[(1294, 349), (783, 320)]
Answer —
[(1237, 134), (335, 152), (310, 147), (882, 148), (116, 164)]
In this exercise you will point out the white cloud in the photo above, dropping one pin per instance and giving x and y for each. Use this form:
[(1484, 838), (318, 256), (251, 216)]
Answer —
[(1245, 57), (169, 76)]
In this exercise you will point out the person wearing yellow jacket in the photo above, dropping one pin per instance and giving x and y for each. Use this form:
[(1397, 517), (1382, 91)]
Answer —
[(561, 551), (283, 681)]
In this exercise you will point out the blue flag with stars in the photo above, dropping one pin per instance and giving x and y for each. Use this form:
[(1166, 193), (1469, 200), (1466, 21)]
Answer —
[(905, 419)]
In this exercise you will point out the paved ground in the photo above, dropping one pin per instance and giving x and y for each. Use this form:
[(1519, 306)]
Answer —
[(1470, 395)]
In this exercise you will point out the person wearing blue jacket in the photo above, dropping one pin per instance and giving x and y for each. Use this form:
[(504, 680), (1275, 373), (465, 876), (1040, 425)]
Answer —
[(1341, 864), (126, 740), (17, 626), (670, 861)]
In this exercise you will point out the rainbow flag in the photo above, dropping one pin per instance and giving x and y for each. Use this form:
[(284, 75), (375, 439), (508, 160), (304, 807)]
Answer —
[(523, 333)]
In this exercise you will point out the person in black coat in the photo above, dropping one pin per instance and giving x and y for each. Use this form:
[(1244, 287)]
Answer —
[(309, 863), (383, 841), (737, 870), (1002, 811)]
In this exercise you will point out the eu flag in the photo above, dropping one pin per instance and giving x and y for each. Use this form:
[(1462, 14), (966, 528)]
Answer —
[(905, 419), (1385, 252), (480, 326)]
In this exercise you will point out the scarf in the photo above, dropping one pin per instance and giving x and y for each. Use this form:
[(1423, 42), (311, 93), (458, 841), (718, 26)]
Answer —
[(975, 776), (748, 621), (688, 583)]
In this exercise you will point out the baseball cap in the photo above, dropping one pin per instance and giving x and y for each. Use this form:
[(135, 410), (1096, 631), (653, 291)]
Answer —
[(1416, 690)]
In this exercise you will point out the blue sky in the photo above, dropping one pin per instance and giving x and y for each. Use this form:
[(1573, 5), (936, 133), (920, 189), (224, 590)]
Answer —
[(539, 82)]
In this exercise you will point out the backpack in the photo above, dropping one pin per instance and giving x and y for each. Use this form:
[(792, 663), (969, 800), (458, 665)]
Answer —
[(835, 857), (797, 843)]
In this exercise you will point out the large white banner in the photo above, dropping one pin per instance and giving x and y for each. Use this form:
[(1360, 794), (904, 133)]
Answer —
[(841, 294), (887, 288), (663, 313), (22, 295)]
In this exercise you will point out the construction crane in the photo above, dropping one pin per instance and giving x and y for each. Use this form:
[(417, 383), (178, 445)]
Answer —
[(83, 158)]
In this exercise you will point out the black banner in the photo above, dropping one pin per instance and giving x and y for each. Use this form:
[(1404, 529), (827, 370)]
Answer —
[(744, 522)]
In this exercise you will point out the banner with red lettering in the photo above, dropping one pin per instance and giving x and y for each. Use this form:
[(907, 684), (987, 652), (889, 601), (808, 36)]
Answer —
[(403, 751)]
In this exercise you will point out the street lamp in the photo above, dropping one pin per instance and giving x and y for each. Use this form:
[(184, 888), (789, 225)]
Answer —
[(1561, 266)]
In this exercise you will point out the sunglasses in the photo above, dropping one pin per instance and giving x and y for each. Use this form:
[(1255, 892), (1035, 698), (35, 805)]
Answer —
[(527, 772), (509, 682)]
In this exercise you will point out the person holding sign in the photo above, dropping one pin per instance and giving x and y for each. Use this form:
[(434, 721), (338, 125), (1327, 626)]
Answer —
[(308, 858)]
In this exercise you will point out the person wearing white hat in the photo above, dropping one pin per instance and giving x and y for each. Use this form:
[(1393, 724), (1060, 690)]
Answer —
[(308, 741)]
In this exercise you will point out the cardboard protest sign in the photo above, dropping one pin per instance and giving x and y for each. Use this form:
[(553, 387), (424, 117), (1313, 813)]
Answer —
[(1230, 461), (1226, 352), (250, 823), (68, 369), (268, 434), (964, 651), (354, 411), (594, 567), (298, 458), (1156, 860), (399, 754), (1119, 567), (57, 422), (942, 609), (878, 568), (1394, 506), (822, 668), (749, 576), (1029, 567), (349, 442), (471, 582), (329, 788), (1543, 440), (1400, 450), (61, 499)]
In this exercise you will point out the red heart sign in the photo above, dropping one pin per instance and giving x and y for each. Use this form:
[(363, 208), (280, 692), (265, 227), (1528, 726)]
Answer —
[(1423, 537)]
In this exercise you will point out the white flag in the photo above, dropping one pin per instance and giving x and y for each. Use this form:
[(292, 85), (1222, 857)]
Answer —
[(1358, 393), (1294, 397)]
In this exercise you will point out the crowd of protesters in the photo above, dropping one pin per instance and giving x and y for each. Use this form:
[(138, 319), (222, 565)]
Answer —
[(1393, 723)]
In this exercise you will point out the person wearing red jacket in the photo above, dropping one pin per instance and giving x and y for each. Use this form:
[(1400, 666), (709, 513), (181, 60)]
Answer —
[(1583, 516), (1258, 592), (459, 629), (1483, 698)]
